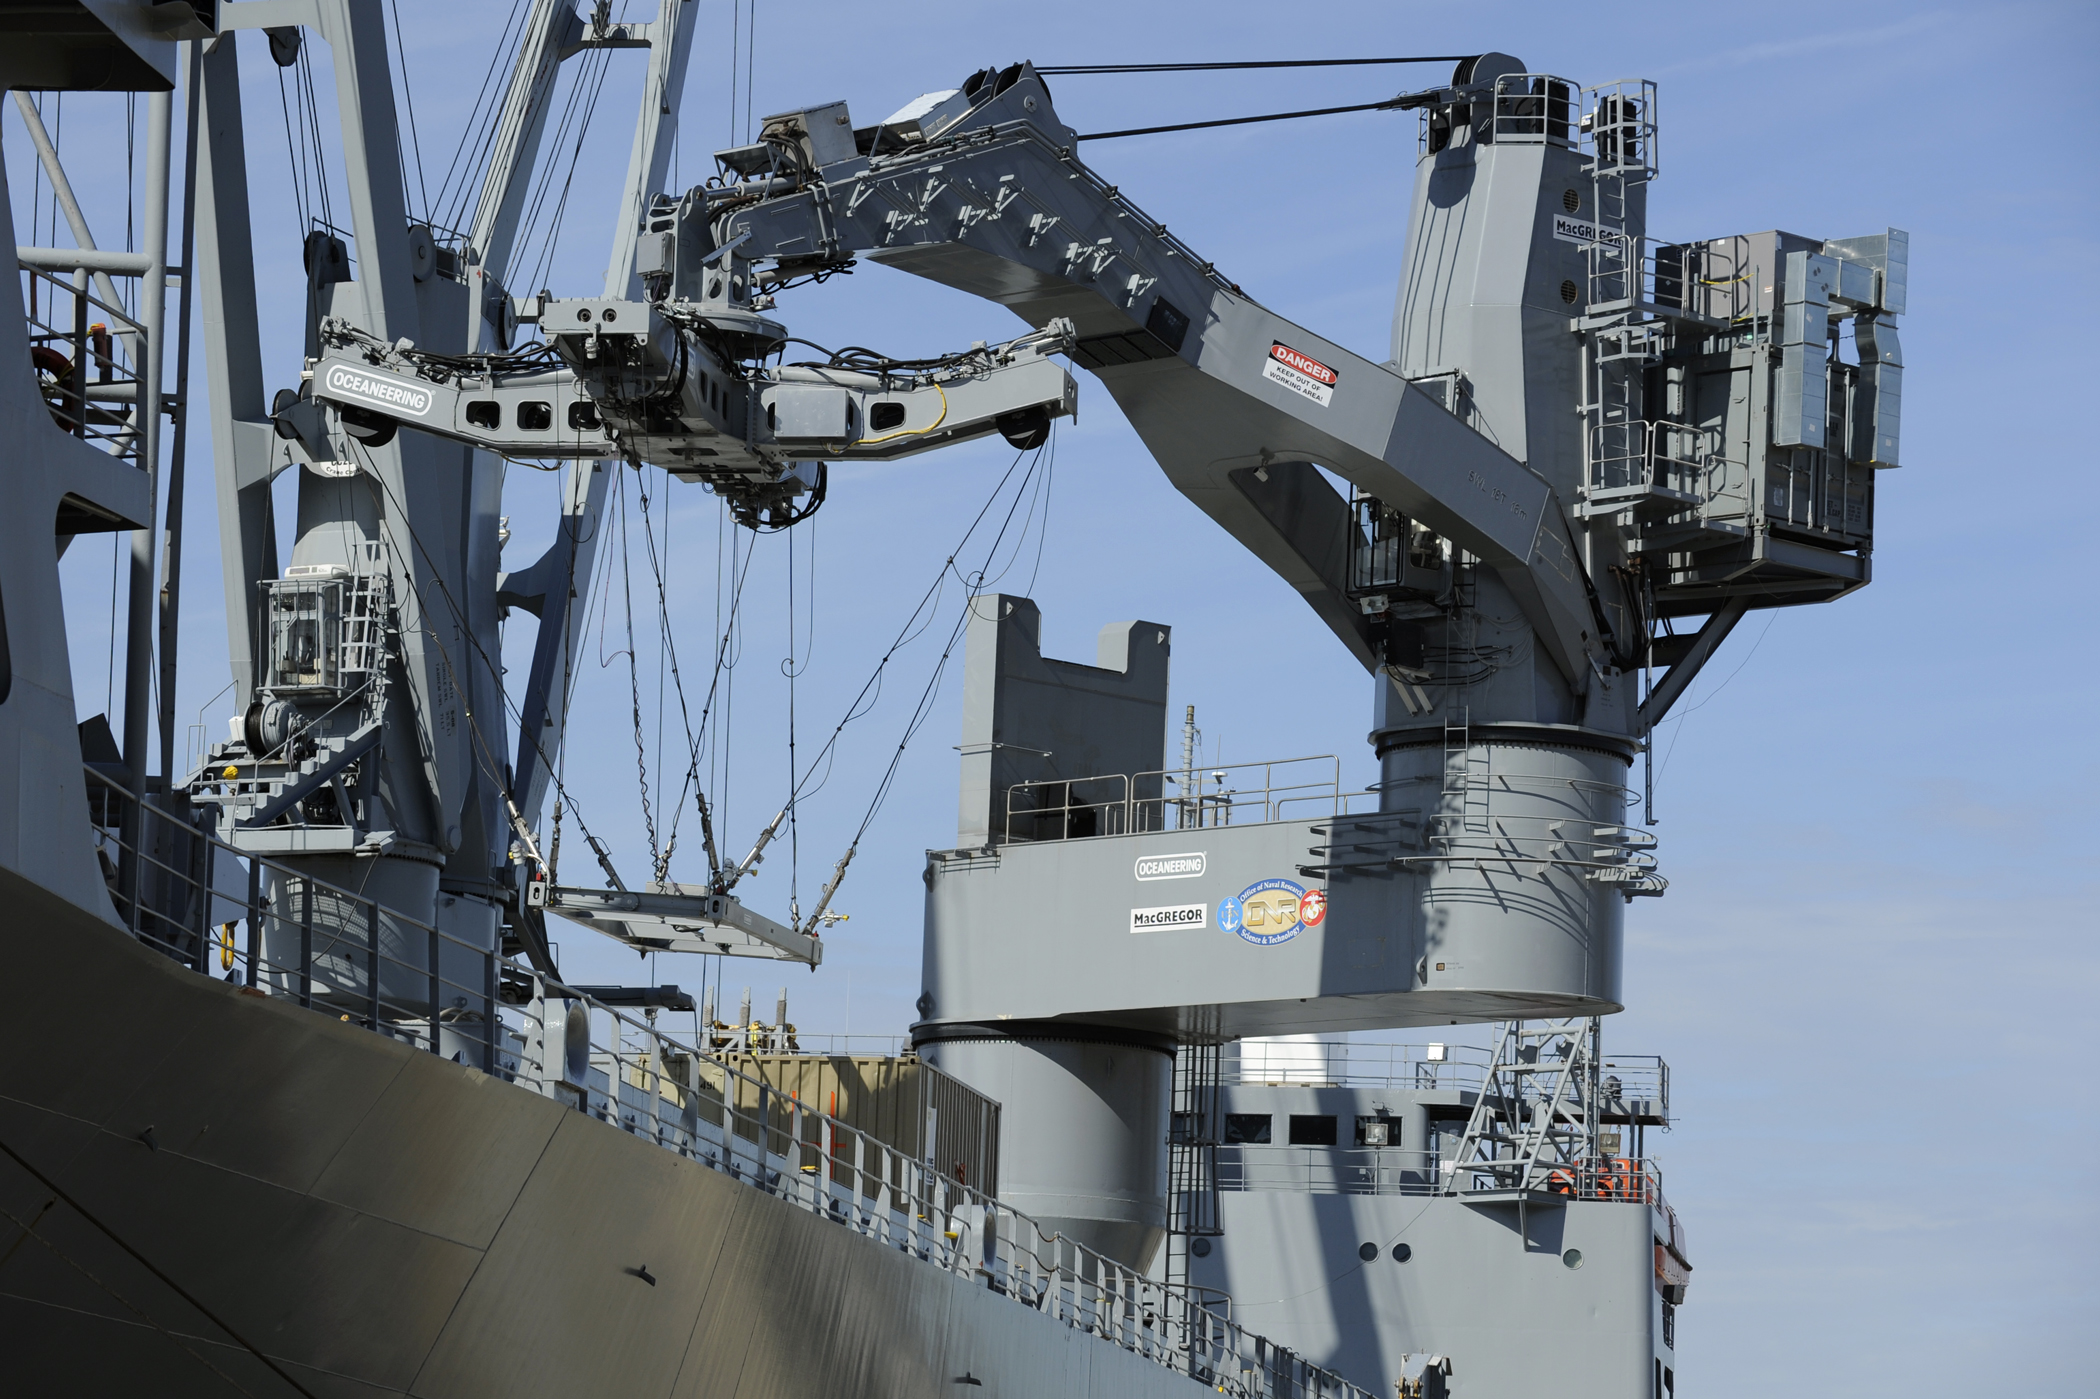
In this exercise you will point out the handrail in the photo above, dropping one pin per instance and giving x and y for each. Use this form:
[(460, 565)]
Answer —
[(1145, 806), (1424, 1173), (685, 1099), (69, 402), (1641, 1078)]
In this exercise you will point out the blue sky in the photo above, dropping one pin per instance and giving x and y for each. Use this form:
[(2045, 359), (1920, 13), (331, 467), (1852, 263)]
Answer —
[(1873, 972)]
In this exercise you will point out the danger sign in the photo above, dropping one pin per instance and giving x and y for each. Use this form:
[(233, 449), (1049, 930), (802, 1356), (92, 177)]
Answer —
[(1300, 373)]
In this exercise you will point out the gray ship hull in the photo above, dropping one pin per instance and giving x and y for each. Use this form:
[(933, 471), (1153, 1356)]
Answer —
[(379, 1221)]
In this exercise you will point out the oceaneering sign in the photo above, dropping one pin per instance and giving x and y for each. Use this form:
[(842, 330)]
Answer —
[(395, 396), (1186, 866), (1300, 373), (1172, 918)]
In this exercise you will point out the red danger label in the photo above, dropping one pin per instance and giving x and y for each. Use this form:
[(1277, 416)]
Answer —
[(1304, 364)]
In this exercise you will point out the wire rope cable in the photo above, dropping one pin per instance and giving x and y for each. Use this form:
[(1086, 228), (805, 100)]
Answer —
[(476, 134), (1389, 104), (1093, 69), (408, 92), (492, 766)]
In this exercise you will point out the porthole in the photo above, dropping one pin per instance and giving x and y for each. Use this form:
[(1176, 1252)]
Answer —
[(1200, 1247), (1401, 1253), (1572, 1258), (1368, 1252)]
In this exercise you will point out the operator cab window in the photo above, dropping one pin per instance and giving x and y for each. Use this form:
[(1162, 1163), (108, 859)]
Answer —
[(1312, 1129), (1246, 1129)]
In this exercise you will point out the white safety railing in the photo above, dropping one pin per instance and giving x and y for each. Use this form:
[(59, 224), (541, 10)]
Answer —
[(1626, 1078), (1352, 1064), (1235, 794)]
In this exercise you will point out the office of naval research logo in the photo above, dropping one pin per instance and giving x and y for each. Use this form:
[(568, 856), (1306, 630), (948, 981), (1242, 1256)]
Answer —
[(1270, 911)]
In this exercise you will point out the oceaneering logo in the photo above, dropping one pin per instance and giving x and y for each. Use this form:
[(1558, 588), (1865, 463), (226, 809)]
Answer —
[(394, 395), (1170, 866)]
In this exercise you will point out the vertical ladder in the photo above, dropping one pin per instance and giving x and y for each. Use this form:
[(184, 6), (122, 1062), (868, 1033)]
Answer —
[(1617, 452), (1466, 776), (1192, 1156)]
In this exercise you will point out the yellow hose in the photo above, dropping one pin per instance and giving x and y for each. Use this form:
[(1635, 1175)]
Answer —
[(913, 431)]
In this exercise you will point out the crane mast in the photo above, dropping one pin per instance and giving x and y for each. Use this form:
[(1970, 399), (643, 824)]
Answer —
[(1582, 436)]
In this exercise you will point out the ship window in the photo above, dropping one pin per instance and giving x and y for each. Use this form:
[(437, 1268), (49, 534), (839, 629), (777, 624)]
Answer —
[(1313, 1129), (1247, 1129), (1401, 1253), (1368, 1252)]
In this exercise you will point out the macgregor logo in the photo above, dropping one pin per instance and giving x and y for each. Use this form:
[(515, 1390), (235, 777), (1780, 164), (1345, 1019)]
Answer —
[(1581, 231), (397, 396)]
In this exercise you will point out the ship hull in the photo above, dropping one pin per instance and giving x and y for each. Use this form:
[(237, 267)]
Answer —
[(204, 1184)]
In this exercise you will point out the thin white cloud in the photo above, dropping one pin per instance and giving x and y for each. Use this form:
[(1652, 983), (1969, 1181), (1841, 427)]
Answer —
[(1855, 40)]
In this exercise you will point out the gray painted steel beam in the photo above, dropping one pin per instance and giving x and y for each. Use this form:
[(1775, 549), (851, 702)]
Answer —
[(1017, 219), (1680, 675)]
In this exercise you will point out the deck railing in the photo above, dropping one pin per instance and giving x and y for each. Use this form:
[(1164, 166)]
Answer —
[(1312, 1170), (1236, 794), (1625, 1079), (410, 980)]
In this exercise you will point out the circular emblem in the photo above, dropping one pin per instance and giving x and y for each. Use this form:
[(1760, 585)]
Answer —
[(1313, 907), (1229, 914), (1267, 912)]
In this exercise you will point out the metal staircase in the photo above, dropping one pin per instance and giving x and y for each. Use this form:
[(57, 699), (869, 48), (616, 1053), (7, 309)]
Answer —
[(255, 792), (1626, 860), (1533, 1127)]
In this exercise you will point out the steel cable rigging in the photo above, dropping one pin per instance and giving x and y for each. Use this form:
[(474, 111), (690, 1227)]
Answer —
[(478, 134), (1092, 69), (1126, 69), (492, 766), (922, 710)]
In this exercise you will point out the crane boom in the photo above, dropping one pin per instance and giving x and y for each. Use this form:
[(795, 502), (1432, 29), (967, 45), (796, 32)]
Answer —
[(1236, 402)]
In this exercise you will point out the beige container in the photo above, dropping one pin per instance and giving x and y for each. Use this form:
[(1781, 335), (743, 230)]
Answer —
[(893, 1101)]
